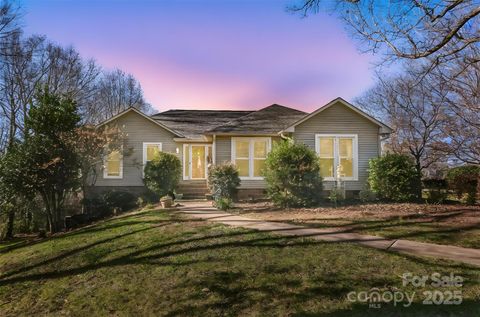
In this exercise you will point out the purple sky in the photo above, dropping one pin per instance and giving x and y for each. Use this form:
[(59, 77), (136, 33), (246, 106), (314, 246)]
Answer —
[(223, 54)]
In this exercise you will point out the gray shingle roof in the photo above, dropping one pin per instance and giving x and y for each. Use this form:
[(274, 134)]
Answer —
[(194, 123), (269, 120)]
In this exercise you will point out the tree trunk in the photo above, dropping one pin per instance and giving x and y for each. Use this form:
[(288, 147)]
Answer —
[(10, 222), (418, 185)]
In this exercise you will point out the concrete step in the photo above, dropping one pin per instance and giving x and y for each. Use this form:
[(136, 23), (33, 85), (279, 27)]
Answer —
[(193, 196)]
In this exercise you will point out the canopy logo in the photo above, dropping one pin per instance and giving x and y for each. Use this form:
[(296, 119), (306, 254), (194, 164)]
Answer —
[(445, 291)]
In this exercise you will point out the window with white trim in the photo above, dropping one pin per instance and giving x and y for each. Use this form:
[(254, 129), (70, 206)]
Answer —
[(113, 165), (150, 149), (249, 155), (338, 155)]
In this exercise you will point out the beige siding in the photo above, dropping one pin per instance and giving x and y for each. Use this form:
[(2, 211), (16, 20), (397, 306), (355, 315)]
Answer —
[(224, 154), (138, 130), (342, 120)]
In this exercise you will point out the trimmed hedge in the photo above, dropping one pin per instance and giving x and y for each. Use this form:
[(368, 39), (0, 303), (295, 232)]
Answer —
[(292, 174), (394, 177), (464, 181), (163, 173)]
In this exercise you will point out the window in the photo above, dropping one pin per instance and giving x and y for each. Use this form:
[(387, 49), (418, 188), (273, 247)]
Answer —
[(113, 166), (249, 155), (338, 155), (150, 150)]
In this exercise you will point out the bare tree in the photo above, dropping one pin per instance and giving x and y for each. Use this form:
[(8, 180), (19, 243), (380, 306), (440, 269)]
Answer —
[(116, 91), (462, 80), (408, 29), (416, 114), (9, 19), (69, 74), (23, 67)]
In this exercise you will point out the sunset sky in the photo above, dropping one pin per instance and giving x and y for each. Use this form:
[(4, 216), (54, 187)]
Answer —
[(211, 54)]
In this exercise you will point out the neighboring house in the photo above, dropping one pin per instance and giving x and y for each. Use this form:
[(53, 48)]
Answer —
[(340, 133)]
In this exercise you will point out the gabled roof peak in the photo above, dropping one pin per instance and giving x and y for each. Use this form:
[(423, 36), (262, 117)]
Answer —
[(385, 129)]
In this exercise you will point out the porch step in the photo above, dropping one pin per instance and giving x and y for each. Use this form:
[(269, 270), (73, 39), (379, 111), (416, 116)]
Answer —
[(189, 196), (194, 189)]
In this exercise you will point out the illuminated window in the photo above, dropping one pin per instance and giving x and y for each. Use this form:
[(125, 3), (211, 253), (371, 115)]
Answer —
[(338, 155), (150, 150), (113, 165), (327, 156), (249, 155)]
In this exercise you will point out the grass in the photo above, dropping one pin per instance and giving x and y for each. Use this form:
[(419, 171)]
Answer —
[(457, 225), (468, 236), (154, 263), (417, 230)]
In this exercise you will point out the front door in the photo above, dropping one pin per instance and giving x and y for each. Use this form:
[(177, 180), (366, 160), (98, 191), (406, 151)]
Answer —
[(196, 158)]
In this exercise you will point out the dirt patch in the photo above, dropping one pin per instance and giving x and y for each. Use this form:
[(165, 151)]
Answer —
[(449, 215)]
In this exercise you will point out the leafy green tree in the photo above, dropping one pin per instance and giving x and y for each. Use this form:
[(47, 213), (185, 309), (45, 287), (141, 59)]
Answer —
[(292, 173), (162, 174), (46, 160), (394, 177), (13, 188), (464, 180)]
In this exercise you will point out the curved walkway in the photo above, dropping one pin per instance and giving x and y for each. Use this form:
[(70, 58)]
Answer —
[(203, 210)]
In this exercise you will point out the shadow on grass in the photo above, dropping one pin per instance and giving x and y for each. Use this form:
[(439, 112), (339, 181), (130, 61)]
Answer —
[(99, 226), (230, 293), (159, 253), (75, 251), (448, 234), (225, 284)]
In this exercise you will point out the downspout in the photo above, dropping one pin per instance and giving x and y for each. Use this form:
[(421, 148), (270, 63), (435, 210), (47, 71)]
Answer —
[(285, 137), (214, 150)]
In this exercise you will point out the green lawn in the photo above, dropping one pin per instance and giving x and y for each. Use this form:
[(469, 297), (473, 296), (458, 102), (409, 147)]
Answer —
[(152, 263), (467, 236)]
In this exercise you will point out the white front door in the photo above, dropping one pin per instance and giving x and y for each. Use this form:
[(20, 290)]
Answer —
[(196, 158)]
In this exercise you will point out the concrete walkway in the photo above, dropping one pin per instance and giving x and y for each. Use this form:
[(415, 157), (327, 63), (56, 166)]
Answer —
[(204, 210)]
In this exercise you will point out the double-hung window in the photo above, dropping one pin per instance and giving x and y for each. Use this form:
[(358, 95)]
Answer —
[(338, 155), (249, 155), (150, 150), (113, 164)]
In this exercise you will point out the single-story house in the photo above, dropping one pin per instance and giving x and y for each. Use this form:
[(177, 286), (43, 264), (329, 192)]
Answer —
[(344, 137)]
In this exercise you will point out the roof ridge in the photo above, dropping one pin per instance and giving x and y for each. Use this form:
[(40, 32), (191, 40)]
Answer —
[(211, 110), (253, 113)]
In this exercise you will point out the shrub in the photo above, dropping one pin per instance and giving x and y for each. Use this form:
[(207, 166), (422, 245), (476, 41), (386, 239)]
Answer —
[(394, 177), (119, 199), (292, 173), (336, 195), (437, 196), (147, 197), (434, 183), (162, 174), (96, 206), (367, 195), (140, 202), (223, 181), (436, 190), (464, 180), (223, 203)]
